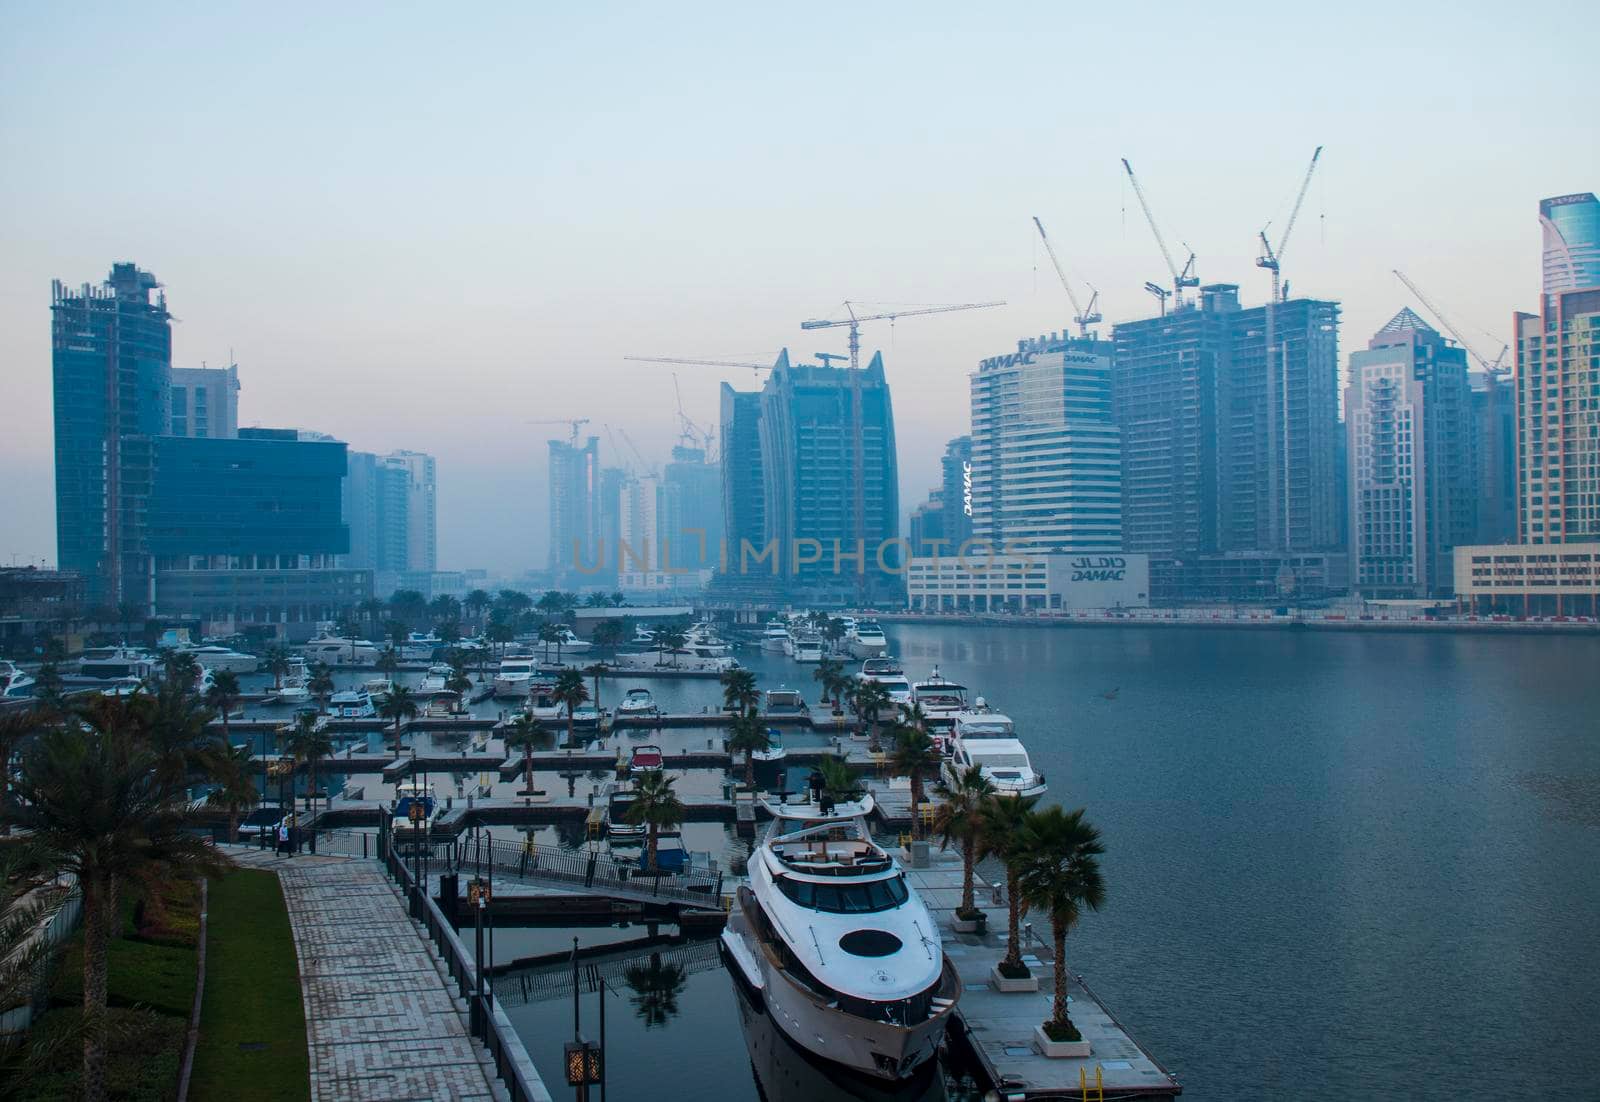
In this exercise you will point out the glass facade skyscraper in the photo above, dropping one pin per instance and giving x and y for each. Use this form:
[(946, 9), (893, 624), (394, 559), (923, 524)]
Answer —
[(111, 365), (1571, 225)]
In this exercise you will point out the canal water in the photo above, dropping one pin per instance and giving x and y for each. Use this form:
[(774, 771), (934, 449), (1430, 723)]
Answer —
[(1337, 864)]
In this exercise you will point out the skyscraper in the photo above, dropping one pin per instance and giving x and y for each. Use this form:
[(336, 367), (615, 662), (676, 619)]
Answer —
[(955, 492), (743, 483), (1046, 452), (390, 504), (1494, 416), (1413, 477), (575, 508), (111, 363), (1210, 461), (691, 509), (205, 402), (1571, 225)]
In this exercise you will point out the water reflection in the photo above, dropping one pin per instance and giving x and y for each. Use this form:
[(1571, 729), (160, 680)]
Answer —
[(785, 1072), (655, 986)]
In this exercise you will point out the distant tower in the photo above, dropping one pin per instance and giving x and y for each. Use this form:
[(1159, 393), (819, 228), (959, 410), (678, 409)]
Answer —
[(575, 506)]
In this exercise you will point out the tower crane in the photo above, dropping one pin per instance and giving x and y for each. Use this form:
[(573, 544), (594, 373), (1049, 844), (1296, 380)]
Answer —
[(1180, 279), (689, 432), (575, 424), (854, 321), (697, 363), (1081, 318), (1277, 363), (1496, 368)]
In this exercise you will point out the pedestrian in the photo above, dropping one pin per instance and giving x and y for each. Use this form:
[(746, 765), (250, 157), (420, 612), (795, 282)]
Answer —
[(283, 836)]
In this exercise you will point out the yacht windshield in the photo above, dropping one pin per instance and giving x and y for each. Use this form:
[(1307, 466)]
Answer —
[(875, 895)]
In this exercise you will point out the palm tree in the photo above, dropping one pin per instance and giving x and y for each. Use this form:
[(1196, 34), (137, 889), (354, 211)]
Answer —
[(1000, 822), (222, 696), (309, 743), (401, 704), (596, 670), (748, 736), (656, 988), (230, 768), (94, 804), (915, 756), (957, 820), (388, 661), (180, 668), (571, 691), (552, 633), (458, 681), (833, 631), (475, 603), (617, 599), (1058, 853), (500, 633), (277, 663), (669, 637), (656, 805), (370, 610), (739, 692), (321, 683), (21, 953), (525, 734), (828, 674), (869, 701), (839, 782), (595, 599)]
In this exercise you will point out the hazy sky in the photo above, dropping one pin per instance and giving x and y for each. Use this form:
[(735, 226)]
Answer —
[(422, 228)]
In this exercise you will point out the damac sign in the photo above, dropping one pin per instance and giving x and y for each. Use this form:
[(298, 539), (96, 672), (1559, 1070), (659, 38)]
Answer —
[(966, 487), (1099, 568)]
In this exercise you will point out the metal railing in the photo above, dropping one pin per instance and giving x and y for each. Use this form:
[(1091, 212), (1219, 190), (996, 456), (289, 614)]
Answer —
[(601, 873), (486, 1020)]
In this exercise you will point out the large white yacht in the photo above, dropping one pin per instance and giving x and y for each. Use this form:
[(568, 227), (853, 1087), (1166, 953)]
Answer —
[(102, 667), (941, 700), (989, 741), (775, 635), (338, 650), (214, 656), (515, 676), (805, 645), (866, 639), (843, 953), (893, 681), (436, 680)]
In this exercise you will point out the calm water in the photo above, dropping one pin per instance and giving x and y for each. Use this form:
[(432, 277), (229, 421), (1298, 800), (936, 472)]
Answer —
[(1338, 864)]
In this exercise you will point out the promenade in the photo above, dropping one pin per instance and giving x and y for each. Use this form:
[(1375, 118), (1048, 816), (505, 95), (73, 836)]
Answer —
[(382, 1020)]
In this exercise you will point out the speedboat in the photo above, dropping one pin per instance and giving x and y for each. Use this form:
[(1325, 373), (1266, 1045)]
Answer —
[(352, 704), (645, 758), (988, 740), (866, 639), (13, 682), (436, 680), (774, 751), (775, 635), (842, 952), (638, 702), (515, 675), (586, 715), (336, 650), (414, 808), (618, 829)]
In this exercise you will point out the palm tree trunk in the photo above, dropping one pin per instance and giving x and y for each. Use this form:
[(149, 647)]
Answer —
[(1013, 922), (527, 766), (650, 849), (968, 856), (1058, 930), (233, 822), (94, 989), (749, 769)]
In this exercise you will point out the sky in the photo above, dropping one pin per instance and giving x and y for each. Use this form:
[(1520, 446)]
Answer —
[(423, 227)]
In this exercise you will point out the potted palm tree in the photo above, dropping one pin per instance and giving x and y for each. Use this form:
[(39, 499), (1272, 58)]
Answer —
[(400, 704), (957, 821), (657, 806), (525, 734), (827, 674), (839, 782), (277, 662), (1000, 821), (739, 692), (1060, 874), (916, 757), (572, 692), (309, 743), (749, 736)]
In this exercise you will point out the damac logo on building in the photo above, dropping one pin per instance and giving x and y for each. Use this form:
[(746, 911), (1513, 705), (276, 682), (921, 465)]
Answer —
[(1099, 568), (966, 487)]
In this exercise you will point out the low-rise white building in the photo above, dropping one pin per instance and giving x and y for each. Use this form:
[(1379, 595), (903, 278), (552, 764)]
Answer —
[(1529, 579), (978, 582)]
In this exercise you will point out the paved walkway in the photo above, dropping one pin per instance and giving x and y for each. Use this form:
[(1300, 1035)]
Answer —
[(382, 1019)]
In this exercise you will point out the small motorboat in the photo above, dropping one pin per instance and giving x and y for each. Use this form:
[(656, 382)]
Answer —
[(586, 715), (638, 702), (774, 750), (782, 701), (646, 757)]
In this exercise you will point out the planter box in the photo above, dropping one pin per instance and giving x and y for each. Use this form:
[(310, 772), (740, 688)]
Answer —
[(968, 925), (1006, 985), (1058, 1050)]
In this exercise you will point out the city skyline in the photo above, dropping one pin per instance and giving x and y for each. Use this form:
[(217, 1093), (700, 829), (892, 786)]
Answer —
[(421, 323)]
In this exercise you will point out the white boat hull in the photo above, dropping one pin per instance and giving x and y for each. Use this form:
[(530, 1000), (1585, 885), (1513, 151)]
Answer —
[(859, 649), (1037, 788), (878, 1049), (511, 686)]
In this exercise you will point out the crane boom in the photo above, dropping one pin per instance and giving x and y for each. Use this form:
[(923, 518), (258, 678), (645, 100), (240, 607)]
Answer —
[(1495, 368), (1305, 185), (697, 363), (1081, 317), (856, 319), (1182, 279)]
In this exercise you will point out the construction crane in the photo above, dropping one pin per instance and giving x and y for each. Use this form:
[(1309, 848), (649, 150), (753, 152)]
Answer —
[(1277, 364), (575, 423), (1180, 279), (1498, 367), (1081, 318), (854, 321), (689, 432), (698, 363)]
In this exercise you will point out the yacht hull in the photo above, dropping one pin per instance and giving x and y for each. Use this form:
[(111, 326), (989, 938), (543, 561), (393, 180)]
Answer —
[(877, 1049)]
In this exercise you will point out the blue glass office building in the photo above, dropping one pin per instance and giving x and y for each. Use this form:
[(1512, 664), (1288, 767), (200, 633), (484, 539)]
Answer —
[(1571, 242)]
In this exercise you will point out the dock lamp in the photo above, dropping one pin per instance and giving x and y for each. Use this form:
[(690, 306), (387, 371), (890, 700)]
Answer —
[(585, 1066)]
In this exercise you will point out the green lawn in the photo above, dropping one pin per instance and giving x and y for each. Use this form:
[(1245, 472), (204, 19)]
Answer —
[(252, 1021)]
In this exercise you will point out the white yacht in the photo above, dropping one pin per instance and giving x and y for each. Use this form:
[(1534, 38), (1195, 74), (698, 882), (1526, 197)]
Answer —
[(336, 650), (13, 682), (866, 639), (570, 641), (436, 680), (108, 667), (214, 656), (843, 953), (542, 703), (352, 704), (638, 702), (378, 688), (895, 684), (941, 700), (420, 646), (296, 686), (806, 647), (515, 676), (785, 700), (989, 741), (775, 635)]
